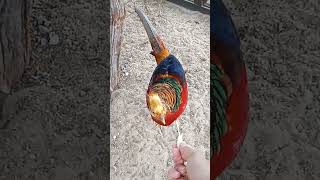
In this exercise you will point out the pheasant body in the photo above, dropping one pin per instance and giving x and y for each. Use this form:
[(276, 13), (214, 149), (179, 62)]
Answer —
[(169, 83), (167, 93), (229, 92)]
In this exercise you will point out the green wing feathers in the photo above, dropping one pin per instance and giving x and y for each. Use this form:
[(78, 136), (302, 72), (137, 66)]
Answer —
[(218, 100)]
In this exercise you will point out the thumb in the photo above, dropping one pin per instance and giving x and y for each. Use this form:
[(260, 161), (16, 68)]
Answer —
[(186, 151)]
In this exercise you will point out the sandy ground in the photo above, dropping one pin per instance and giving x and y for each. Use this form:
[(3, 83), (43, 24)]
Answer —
[(58, 111), (280, 41), (139, 148)]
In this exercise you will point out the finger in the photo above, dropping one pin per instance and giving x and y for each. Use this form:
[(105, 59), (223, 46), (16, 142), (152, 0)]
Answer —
[(181, 169), (177, 156), (186, 151), (173, 174)]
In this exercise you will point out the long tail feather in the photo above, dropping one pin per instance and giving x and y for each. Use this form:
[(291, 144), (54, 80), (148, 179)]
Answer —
[(151, 32)]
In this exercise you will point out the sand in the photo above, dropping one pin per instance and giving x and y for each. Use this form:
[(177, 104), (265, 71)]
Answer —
[(58, 112), (139, 148)]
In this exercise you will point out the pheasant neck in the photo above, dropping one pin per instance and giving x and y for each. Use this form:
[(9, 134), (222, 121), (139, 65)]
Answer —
[(160, 56)]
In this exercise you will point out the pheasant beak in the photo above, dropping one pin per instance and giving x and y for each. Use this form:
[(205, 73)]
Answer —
[(159, 50), (163, 120)]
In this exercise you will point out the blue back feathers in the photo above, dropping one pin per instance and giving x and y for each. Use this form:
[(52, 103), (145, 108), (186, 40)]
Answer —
[(171, 66), (225, 42), (222, 26)]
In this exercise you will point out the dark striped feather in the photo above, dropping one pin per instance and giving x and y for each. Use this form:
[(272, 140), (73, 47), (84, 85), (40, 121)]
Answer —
[(218, 103), (169, 91)]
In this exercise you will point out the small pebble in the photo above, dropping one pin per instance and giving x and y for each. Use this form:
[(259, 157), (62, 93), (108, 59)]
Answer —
[(32, 156), (43, 21), (43, 29), (54, 38), (51, 160), (43, 42), (299, 127), (82, 93)]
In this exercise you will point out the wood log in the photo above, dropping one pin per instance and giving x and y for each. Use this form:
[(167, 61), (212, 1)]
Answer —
[(15, 43), (117, 20)]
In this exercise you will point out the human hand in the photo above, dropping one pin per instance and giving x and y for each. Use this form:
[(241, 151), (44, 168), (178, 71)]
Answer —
[(188, 164)]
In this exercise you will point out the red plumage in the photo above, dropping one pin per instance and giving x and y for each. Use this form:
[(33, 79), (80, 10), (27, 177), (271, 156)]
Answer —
[(230, 78), (237, 119)]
